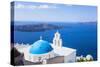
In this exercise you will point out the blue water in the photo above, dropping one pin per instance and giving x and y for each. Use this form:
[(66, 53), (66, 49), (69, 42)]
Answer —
[(80, 36)]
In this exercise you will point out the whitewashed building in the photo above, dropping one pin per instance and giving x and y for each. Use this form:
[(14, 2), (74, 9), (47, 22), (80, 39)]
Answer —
[(42, 50)]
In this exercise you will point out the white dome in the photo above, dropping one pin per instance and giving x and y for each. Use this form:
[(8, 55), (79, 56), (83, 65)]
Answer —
[(89, 57)]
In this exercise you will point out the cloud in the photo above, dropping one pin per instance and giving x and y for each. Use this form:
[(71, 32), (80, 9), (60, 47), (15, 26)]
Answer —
[(68, 4), (47, 6), (44, 6), (19, 6)]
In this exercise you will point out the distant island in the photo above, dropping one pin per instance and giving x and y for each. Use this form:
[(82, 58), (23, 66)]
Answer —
[(35, 27)]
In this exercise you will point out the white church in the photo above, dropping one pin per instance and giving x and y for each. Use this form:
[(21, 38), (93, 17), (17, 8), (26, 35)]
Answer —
[(42, 51)]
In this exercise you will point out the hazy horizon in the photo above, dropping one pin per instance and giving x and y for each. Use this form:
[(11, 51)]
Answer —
[(47, 12)]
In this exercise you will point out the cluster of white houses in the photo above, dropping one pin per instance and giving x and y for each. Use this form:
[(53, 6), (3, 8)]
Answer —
[(41, 50)]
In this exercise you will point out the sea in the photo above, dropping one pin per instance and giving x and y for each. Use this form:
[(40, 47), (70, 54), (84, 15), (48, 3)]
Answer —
[(80, 36)]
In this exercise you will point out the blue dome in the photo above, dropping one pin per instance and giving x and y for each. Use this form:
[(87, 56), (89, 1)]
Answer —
[(40, 47)]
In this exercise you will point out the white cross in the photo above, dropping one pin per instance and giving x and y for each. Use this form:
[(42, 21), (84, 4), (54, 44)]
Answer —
[(40, 37)]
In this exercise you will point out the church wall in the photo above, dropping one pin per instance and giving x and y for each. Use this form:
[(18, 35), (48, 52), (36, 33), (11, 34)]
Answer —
[(70, 58), (36, 58)]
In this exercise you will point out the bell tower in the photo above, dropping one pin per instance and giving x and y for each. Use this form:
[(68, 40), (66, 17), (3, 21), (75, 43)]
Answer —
[(57, 41)]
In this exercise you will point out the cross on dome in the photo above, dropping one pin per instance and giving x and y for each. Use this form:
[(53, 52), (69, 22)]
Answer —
[(40, 37)]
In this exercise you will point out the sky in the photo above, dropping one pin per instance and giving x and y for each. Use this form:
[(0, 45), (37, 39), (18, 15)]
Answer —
[(47, 12)]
